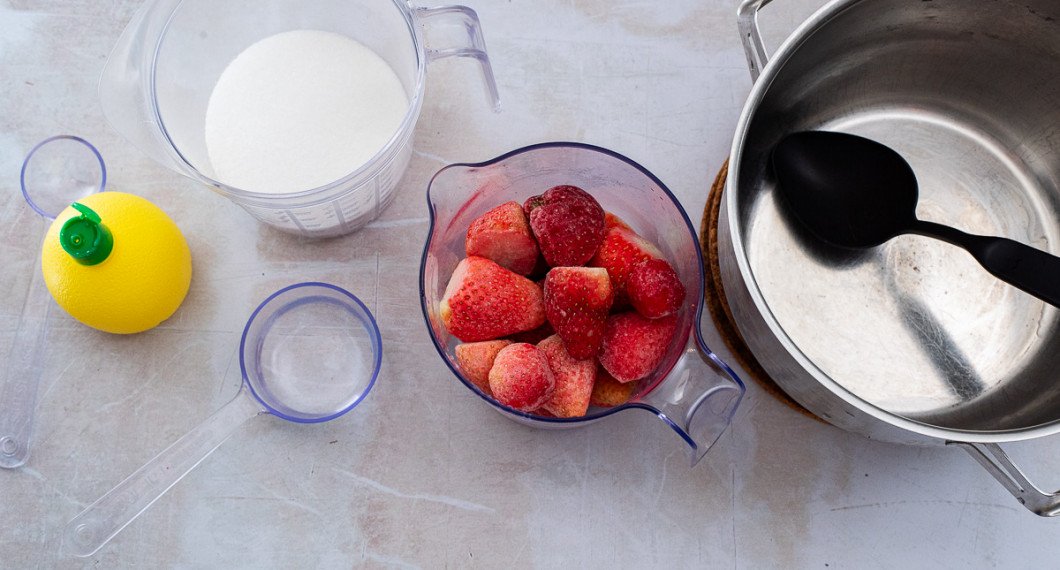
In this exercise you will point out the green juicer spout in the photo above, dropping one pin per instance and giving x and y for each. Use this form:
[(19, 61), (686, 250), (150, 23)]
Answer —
[(85, 237)]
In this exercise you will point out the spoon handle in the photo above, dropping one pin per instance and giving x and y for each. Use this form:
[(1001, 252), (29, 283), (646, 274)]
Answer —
[(106, 517), (1017, 264), (22, 374)]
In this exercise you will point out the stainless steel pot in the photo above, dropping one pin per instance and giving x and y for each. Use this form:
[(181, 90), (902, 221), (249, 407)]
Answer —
[(911, 342)]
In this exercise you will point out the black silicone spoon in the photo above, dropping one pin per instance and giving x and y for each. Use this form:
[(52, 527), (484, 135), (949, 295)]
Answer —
[(854, 192)]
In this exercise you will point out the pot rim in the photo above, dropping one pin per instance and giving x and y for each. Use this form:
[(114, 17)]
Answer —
[(769, 72)]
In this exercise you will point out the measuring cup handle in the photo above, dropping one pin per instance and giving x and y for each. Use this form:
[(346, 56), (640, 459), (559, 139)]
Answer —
[(105, 518), (698, 398), (18, 394), (464, 39)]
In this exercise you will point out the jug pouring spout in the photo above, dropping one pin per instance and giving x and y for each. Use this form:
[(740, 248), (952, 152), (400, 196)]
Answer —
[(125, 91)]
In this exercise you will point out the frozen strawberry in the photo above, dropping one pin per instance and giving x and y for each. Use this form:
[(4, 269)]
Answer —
[(476, 358), (608, 392), (568, 224), (503, 235), (634, 345), (613, 221), (485, 301), (577, 301), (535, 336), (521, 378), (654, 288), (574, 379), (620, 251)]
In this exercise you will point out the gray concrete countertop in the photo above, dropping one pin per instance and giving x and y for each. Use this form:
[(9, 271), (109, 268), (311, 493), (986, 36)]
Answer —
[(422, 474)]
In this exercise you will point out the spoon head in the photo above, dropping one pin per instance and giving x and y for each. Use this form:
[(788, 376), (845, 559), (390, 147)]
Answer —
[(310, 352), (847, 190), (60, 171)]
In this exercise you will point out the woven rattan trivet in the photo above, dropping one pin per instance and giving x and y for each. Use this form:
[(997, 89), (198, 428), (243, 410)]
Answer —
[(716, 302)]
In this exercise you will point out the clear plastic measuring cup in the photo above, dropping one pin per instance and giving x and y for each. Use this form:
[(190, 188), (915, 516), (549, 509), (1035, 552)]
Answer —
[(310, 353), (157, 83), (58, 171), (693, 391)]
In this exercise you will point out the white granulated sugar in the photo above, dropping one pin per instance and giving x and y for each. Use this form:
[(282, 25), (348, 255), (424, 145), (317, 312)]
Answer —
[(301, 109)]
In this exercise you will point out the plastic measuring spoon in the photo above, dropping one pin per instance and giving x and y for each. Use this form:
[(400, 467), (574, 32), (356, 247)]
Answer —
[(309, 353), (57, 172)]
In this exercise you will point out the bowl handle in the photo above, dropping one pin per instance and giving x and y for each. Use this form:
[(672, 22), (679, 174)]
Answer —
[(698, 398), (747, 21), (463, 40), (996, 461)]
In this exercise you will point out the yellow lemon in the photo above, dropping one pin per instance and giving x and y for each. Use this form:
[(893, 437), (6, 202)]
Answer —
[(116, 262)]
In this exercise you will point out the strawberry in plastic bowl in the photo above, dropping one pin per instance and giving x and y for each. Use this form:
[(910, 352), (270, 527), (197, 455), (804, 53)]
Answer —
[(613, 253)]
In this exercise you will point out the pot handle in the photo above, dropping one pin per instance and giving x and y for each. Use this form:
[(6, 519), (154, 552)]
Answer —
[(747, 20), (996, 461), (464, 39), (698, 398)]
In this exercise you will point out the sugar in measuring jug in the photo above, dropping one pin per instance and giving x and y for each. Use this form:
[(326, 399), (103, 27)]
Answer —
[(178, 85), (300, 109)]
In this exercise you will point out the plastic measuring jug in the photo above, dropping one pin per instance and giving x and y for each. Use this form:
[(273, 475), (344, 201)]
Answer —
[(310, 353), (157, 83), (693, 391), (58, 171)]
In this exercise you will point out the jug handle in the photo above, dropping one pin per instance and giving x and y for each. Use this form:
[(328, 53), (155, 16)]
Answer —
[(698, 398), (753, 46), (998, 464), (467, 42)]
